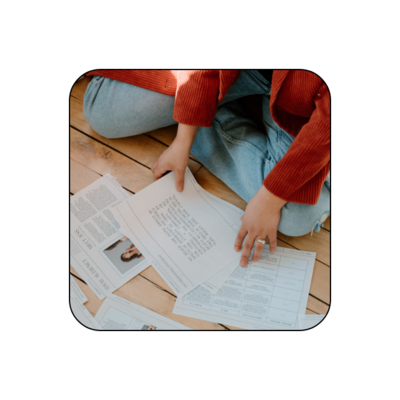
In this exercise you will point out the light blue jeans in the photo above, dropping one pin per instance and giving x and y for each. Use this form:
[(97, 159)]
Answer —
[(233, 148)]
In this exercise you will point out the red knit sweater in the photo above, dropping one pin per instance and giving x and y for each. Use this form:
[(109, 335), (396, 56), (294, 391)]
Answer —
[(300, 104)]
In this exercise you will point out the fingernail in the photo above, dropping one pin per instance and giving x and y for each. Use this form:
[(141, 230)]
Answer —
[(237, 248), (180, 188)]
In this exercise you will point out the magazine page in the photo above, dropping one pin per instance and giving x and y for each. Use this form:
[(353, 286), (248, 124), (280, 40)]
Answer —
[(267, 294), (81, 312), (117, 313), (76, 290), (104, 257), (184, 235)]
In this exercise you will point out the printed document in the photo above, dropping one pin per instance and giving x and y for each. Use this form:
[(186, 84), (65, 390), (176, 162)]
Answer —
[(234, 213), (75, 288), (309, 320), (267, 294), (105, 258), (117, 313), (184, 235), (81, 312)]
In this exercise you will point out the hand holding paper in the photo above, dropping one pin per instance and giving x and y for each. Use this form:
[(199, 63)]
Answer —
[(186, 237), (176, 157)]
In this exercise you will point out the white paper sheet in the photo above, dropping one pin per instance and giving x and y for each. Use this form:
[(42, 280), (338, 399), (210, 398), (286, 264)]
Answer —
[(184, 235), (267, 294), (309, 320), (82, 314), (74, 288), (117, 313), (233, 213), (96, 245)]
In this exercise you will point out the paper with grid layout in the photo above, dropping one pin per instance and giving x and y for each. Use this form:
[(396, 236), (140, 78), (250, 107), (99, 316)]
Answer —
[(267, 294)]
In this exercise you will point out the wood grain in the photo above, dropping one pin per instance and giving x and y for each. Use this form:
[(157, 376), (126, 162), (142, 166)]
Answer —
[(79, 88), (317, 306), (141, 148), (103, 160), (319, 242), (165, 135), (214, 185), (327, 224)]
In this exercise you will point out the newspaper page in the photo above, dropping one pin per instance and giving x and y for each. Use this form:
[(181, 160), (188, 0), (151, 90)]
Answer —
[(81, 312), (105, 258), (267, 294), (117, 313), (184, 235), (75, 288), (310, 320)]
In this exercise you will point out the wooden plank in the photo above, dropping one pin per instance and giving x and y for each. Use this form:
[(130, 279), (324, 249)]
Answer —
[(319, 242), (102, 159), (321, 282), (79, 88), (141, 148), (317, 306), (165, 135), (73, 272), (81, 177), (327, 224), (214, 185)]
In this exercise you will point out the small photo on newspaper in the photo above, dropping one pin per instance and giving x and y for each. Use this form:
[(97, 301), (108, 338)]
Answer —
[(122, 255)]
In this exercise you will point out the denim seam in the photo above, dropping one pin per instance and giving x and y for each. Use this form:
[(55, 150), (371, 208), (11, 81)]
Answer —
[(241, 142)]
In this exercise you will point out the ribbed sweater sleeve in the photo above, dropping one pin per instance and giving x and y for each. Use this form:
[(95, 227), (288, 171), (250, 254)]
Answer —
[(196, 97), (298, 177)]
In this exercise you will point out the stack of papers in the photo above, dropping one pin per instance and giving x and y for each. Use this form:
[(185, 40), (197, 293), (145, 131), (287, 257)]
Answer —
[(188, 238)]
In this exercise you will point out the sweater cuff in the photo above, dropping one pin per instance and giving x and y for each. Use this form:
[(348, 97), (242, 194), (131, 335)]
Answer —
[(196, 98), (306, 194)]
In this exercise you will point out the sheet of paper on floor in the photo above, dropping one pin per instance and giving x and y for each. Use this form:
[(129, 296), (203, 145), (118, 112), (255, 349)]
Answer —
[(117, 313), (77, 290), (267, 294), (96, 245), (234, 213), (81, 312), (186, 238), (309, 320)]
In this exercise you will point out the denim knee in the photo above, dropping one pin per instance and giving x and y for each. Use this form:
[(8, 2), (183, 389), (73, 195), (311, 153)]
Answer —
[(300, 219)]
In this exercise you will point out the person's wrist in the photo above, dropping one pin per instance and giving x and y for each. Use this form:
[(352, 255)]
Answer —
[(271, 200), (186, 135)]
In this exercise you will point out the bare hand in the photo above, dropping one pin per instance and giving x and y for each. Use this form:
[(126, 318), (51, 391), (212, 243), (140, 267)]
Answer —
[(175, 158), (261, 219)]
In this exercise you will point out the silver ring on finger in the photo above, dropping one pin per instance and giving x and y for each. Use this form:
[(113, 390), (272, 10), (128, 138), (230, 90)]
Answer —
[(261, 240)]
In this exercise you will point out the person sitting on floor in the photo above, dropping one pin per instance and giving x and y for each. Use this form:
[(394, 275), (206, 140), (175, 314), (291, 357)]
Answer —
[(282, 171)]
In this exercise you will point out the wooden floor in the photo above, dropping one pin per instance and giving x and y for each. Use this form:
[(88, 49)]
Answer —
[(129, 161)]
